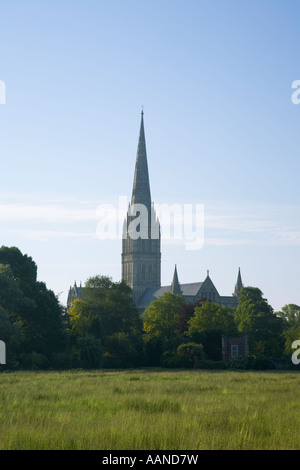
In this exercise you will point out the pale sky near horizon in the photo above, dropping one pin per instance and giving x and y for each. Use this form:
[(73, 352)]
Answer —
[(215, 81)]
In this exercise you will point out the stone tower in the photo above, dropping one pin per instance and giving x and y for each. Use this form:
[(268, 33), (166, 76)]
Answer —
[(141, 256)]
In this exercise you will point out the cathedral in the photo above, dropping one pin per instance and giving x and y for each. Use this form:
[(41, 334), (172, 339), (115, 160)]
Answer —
[(141, 254)]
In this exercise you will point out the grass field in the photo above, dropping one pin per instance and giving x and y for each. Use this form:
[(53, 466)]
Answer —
[(150, 410)]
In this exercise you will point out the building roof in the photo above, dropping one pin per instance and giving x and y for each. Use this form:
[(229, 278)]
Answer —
[(151, 294)]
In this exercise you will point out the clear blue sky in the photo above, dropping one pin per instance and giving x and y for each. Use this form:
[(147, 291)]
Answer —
[(215, 82)]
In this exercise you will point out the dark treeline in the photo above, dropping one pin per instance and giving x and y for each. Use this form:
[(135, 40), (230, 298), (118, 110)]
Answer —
[(103, 329)]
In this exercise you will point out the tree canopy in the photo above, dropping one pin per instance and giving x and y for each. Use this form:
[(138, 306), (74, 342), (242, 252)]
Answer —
[(106, 312), (31, 318), (256, 318), (160, 319), (210, 320)]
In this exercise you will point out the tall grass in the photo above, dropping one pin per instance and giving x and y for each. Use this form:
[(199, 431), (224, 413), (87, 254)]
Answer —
[(150, 410)]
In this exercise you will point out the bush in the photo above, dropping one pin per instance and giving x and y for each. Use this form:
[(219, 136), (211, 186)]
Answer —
[(211, 365), (259, 362), (240, 363), (34, 361), (171, 360), (190, 353)]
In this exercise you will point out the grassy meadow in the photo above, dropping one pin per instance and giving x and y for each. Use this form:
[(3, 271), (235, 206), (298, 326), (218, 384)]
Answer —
[(149, 410)]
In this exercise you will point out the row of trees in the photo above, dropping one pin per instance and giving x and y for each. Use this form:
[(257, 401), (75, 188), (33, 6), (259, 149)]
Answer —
[(104, 329)]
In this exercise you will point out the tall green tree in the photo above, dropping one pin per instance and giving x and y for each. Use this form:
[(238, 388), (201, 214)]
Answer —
[(290, 315), (160, 319), (206, 327), (32, 309), (256, 318), (162, 327), (186, 312), (107, 313), (23, 267)]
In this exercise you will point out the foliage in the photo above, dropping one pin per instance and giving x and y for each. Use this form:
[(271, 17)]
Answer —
[(31, 318), (290, 315), (210, 365), (191, 353), (212, 316), (258, 362), (154, 348), (104, 328), (210, 320), (22, 266), (34, 361), (107, 312), (124, 350), (160, 319), (90, 352), (255, 317), (171, 360), (185, 313)]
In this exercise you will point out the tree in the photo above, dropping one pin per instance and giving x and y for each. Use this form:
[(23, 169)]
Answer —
[(255, 317), (22, 266), (186, 312), (160, 319), (46, 332), (124, 350), (210, 320), (105, 308), (290, 315), (107, 313), (161, 328), (32, 309), (90, 352), (11, 296)]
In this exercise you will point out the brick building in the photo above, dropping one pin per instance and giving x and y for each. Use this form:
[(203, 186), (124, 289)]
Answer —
[(233, 347)]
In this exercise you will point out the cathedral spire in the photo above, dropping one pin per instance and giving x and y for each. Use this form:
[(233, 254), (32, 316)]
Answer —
[(175, 287), (141, 186), (238, 284), (141, 257)]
